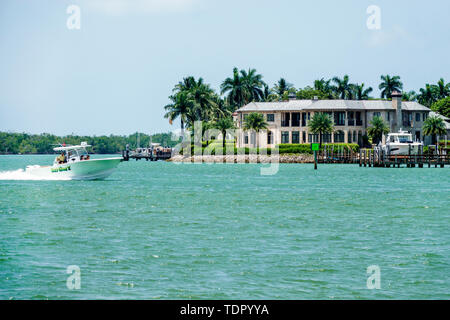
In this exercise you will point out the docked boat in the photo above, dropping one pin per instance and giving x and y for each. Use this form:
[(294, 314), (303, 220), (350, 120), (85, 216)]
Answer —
[(401, 143), (75, 163)]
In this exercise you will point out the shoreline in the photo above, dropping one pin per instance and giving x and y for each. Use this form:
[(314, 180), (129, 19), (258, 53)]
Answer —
[(252, 158)]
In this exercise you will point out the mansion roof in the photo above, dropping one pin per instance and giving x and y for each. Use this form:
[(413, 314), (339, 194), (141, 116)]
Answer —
[(305, 105)]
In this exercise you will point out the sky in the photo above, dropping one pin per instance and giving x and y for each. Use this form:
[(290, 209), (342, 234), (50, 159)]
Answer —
[(114, 74)]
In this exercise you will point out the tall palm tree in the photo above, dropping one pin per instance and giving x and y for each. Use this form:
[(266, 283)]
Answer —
[(204, 100), (433, 127), (361, 93), (442, 90), (180, 107), (427, 95), (321, 123), (236, 88), (343, 88), (254, 85), (223, 124), (256, 122), (390, 84), (377, 129), (282, 86)]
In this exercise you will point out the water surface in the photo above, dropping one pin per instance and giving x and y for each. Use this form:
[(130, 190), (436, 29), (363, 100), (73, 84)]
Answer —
[(223, 231)]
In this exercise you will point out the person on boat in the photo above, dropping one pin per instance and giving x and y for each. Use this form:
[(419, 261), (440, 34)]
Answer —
[(61, 158), (87, 157), (81, 158)]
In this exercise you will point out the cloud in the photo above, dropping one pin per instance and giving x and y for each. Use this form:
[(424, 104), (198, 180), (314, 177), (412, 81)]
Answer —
[(123, 7), (382, 37)]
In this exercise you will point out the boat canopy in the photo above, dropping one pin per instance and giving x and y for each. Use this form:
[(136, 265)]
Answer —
[(82, 146)]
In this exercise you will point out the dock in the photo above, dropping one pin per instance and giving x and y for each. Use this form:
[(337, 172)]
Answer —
[(377, 157), (147, 154)]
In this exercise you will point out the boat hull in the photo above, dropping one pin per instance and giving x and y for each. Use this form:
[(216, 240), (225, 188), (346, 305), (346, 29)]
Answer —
[(402, 149), (96, 169)]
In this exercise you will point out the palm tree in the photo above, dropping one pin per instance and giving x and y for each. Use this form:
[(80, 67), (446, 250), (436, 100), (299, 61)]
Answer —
[(390, 84), (223, 124), (433, 127), (283, 86), (442, 90), (254, 85), (427, 95), (204, 100), (325, 87), (361, 93), (237, 89), (180, 107), (409, 96), (343, 88), (321, 123), (377, 129), (255, 122)]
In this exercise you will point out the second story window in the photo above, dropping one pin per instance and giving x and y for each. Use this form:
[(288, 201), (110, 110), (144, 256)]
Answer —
[(270, 117), (417, 116), (424, 116), (377, 114)]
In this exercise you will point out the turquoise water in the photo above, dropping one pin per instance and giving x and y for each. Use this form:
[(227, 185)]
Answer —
[(196, 231)]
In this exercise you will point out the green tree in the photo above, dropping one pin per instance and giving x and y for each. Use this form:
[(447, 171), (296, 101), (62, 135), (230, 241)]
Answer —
[(388, 85), (433, 127), (442, 90), (343, 88), (256, 122), (442, 107), (325, 87), (409, 96), (320, 124), (180, 107), (283, 86), (254, 85), (377, 129), (309, 93), (427, 95), (236, 88), (361, 93), (224, 124)]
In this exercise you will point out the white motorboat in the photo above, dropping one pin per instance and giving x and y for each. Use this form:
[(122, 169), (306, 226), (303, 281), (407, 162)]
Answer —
[(75, 163), (401, 143)]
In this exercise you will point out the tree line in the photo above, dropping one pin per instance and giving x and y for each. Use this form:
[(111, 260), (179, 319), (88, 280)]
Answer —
[(24, 143)]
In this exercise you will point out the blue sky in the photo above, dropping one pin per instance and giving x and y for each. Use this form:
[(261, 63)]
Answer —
[(114, 74)]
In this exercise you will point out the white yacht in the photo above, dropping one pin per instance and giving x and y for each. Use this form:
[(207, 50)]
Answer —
[(74, 163), (401, 143)]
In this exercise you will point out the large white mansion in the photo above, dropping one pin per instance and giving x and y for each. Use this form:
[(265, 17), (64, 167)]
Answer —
[(288, 120)]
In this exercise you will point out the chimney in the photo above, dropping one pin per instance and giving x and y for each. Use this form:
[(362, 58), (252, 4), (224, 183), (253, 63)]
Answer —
[(397, 104)]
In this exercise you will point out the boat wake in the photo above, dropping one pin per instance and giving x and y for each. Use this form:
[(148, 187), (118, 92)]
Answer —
[(26, 174)]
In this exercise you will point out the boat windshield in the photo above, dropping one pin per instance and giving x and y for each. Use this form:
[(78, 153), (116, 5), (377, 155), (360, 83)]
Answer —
[(404, 139)]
